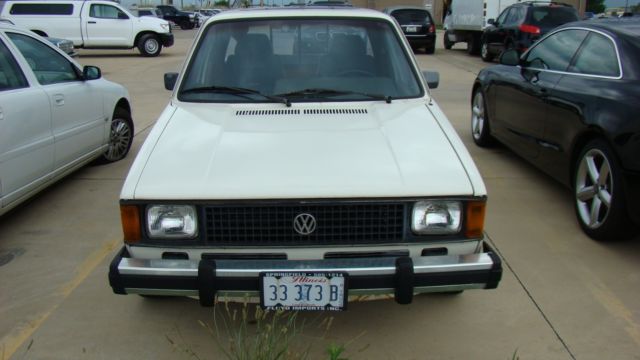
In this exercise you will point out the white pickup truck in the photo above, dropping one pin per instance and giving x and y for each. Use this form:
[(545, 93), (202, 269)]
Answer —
[(91, 24)]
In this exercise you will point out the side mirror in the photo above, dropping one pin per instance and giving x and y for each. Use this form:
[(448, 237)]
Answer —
[(91, 73), (510, 58), (491, 21), (432, 78), (170, 80)]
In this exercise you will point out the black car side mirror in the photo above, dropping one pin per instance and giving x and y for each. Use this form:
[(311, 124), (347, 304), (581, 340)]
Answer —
[(91, 72), (432, 78), (510, 58), (491, 21), (170, 80)]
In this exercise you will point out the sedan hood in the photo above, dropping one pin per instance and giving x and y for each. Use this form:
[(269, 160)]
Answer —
[(211, 151)]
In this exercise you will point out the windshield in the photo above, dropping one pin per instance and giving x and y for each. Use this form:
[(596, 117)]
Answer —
[(293, 60), (412, 16), (552, 16)]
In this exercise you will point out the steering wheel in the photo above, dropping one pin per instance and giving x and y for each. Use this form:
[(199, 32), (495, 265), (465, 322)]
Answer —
[(355, 72)]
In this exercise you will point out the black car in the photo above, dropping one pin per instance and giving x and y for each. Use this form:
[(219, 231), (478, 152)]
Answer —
[(521, 24), (417, 25), (570, 106), (184, 19)]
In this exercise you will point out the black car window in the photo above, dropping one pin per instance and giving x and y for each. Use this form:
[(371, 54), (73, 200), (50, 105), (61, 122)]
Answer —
[(597, 57), (47, 64), (11, 77), (552, 16), (514, 16), (503, 16), (556, 51), (410, 16)]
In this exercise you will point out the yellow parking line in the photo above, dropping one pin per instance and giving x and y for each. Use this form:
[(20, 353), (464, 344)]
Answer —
[(12, 342)]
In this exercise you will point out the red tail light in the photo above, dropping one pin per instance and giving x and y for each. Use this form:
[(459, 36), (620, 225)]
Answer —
[(432, 28), (530, 29)]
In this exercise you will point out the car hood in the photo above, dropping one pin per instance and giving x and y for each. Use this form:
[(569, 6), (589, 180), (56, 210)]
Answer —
[(151, 20), (213, 151)]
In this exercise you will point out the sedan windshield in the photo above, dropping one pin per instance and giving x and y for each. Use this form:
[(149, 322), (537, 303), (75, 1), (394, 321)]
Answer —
[(289, 60)]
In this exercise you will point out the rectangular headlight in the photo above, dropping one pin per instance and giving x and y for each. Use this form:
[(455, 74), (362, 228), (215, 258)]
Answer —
[(172, 221), (436, 217)]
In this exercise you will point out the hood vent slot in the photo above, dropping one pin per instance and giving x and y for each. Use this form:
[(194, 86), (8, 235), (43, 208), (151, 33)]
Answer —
[(304, 112), (268, 112), (334, 111)]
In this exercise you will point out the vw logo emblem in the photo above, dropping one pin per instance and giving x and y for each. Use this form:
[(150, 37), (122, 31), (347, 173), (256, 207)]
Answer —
[(304, 224)]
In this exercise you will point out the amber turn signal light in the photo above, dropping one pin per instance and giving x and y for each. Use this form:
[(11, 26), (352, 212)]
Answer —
[(475, 219), (130, 216)]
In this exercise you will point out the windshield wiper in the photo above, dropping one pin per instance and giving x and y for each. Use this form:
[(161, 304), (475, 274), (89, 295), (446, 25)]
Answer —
[(333, 92), (237, 91)]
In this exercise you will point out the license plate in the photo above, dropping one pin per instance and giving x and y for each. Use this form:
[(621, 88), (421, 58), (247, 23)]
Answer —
[(412, 29), (303, 291)]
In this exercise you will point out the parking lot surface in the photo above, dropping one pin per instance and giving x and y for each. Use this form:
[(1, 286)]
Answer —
[(562, 296)]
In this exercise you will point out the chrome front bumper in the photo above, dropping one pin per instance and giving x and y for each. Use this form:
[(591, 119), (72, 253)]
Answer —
[(401, 276)]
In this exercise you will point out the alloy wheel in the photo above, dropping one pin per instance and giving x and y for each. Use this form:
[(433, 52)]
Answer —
[(119, 140), (477, 116), (594, 188)]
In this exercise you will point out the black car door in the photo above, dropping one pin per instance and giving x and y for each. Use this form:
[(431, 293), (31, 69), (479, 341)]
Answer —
[(521, 101), (495, 34), (592, 81)]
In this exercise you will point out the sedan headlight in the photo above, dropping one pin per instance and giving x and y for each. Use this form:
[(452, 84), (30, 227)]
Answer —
[(165, 26), (172, 221), (437, 217)]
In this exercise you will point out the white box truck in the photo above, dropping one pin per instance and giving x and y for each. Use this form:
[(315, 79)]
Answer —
[(91, 24), (466, 19)]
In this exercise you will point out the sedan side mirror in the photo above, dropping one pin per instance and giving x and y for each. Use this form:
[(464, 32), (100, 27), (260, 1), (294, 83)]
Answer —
[(432, 78), (170, 80), (91, 73), (510, 58)]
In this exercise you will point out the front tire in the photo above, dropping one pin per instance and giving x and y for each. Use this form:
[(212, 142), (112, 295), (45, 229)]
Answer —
[(485, 54), (149, 45), (120, 137), (599, 194), (480, 129)]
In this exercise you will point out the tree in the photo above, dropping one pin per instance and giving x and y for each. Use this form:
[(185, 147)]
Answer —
[(636, 8), (596, 6)]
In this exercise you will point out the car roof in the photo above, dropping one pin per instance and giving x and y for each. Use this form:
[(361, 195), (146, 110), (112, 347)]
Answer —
[(628, 28)]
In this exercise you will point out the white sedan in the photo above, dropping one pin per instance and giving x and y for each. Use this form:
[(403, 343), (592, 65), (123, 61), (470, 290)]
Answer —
[(55, 116)]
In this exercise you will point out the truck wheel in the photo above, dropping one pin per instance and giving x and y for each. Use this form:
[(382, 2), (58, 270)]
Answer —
[(447, 43), (473, 45), (186, 25), (120, 137), (599, 194), (149, 45)]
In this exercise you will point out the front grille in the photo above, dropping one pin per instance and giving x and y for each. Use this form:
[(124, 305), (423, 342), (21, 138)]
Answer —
[(273, 225)]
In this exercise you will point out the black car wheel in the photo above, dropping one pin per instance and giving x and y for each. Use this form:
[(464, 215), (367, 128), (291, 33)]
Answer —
[(149, 45), (599, 194), (430, 49), (485, 54), (186, 25), (480, 120), (120, 137), (445, 40)]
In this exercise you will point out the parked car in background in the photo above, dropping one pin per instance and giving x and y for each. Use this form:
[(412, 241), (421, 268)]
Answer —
[(417, 25), (521, 24), (55, 116), (323, 170), (91, 24), (184, 19), (570, 106), (205, 14), (64, 44)]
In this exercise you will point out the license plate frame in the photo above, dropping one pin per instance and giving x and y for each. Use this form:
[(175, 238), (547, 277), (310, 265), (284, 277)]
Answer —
[(308, 282)]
